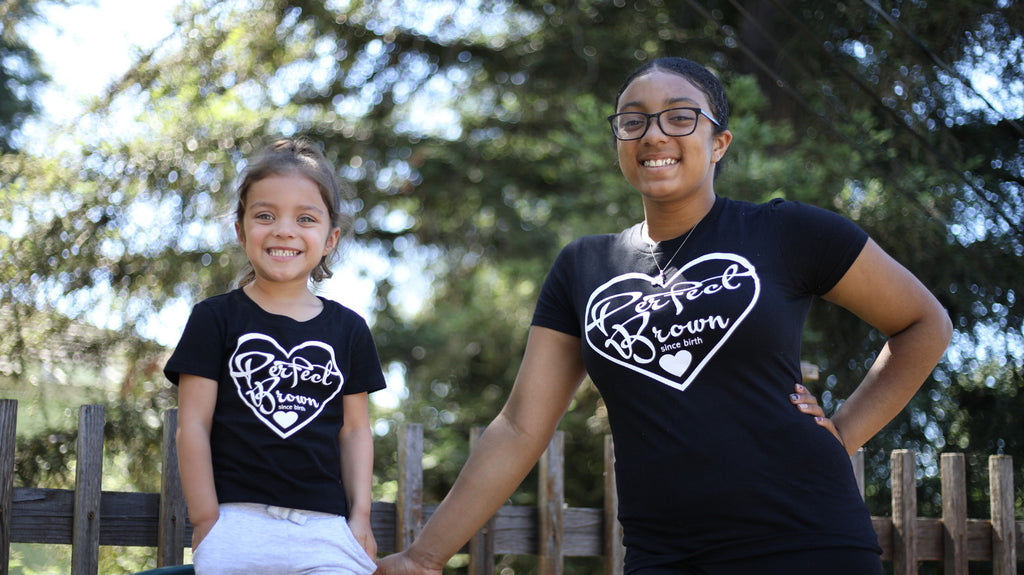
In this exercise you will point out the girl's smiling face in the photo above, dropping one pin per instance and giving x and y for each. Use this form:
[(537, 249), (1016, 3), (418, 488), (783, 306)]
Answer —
[(661, 167), (286, 229)]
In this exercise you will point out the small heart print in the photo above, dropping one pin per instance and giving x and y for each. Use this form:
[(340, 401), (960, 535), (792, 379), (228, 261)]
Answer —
[(286, 418), (676, 364)]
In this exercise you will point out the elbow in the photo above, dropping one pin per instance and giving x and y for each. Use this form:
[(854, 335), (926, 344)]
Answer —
[(942, 327), (191, 431), (927, 337), (531, 439), (947, 329), (935, 333)]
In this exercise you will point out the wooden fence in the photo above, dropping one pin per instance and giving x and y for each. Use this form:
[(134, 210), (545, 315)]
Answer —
[(87, 518)]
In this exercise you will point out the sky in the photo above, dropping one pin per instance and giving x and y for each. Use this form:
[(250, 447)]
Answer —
[(86, 46)]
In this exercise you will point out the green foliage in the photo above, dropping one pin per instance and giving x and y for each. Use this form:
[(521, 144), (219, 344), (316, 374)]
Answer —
[(475, 143), (21, 73)]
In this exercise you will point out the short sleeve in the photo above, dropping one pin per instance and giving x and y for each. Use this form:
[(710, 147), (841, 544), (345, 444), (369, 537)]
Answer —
[(201, 347), (555, 308), (366, 374), (819, 246)]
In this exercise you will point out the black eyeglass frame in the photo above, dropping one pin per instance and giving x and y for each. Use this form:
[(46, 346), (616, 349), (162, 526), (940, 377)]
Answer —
[(657, 116)]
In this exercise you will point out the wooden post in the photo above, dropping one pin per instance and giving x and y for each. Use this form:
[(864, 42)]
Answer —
[(614, 551), (8, 439), (904, 512), (857, 461), (481, 546), (1004, 550), (85, 545), (409, 508), (551, 498), (954, 514), (171, 529)]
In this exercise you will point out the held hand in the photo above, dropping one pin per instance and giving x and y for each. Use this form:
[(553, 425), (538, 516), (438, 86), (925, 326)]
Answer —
[(364, 535), (402, 564), (808, 404)]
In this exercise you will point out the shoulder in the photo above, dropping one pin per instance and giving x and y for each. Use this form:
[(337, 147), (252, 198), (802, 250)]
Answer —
[(218, 307), (604, 242), (789, 217), (795, 210), (231, 298), (336, 307), (775, 207), (592, 252), (593, 240), (338, 312)]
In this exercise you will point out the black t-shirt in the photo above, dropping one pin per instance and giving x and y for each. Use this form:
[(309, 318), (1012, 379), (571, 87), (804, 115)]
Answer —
[(713, 462), (279, 411)]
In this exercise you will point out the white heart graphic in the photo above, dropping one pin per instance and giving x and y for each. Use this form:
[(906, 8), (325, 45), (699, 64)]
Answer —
[(677, 326), (676, 364), (285, 389), (286, 418)]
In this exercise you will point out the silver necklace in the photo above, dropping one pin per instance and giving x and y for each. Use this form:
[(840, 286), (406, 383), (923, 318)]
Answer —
[(660, 280)]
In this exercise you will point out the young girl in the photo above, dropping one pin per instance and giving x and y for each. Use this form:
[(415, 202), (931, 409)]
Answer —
[(274, 440)]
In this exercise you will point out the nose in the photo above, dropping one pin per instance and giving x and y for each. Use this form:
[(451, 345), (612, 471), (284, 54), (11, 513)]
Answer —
[(284, 228), (654, 129)]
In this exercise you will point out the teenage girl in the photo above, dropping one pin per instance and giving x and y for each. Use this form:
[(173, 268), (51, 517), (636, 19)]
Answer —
[(689, 323), (274, 439)]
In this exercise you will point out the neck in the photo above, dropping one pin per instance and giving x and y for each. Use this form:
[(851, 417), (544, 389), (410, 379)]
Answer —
[(289, 299), (667, 222)]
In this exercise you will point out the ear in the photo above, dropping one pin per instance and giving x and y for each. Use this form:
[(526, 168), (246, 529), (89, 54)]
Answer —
[(240, 233), (332, 240), (720, 145)]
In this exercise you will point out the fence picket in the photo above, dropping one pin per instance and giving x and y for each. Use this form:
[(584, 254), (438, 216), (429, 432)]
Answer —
[(409, 508), (171, 528), (481, 546), (1004, 549), (904, 512), (85, 546), (614, 551), (954, 514), (857, 461), (551, 498), (8, 439)]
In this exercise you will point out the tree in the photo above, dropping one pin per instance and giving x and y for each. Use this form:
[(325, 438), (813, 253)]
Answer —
[(474, 139), (21, 75)]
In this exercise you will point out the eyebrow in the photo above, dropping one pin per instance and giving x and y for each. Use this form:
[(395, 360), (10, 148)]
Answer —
[(679, 100), (304, 207)]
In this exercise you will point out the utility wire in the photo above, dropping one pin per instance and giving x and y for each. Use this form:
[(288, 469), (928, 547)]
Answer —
[(941, 64), (800, 100), (980, 192)]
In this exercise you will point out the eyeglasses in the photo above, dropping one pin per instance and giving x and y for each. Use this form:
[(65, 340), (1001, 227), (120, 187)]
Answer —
[(676, 122)]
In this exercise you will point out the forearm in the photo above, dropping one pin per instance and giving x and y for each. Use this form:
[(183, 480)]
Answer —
[(357, 469), (902, 365), (196, 467), (503, 457)]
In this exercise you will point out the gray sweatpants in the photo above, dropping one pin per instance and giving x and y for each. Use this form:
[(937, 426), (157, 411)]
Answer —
[(256, 539)]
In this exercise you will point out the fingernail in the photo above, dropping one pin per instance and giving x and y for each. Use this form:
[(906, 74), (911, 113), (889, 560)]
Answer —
[(794, 397), (819, 418), (801, 388), (804, 406)]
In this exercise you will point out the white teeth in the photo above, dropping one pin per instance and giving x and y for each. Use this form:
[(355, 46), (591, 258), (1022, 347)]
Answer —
[(660, 163), (283, 253)]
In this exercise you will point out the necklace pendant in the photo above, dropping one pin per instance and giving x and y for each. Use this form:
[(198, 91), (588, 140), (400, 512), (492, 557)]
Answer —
[(658, 281)]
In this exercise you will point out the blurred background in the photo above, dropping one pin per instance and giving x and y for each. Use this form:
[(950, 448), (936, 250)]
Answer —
[(472, 139)]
